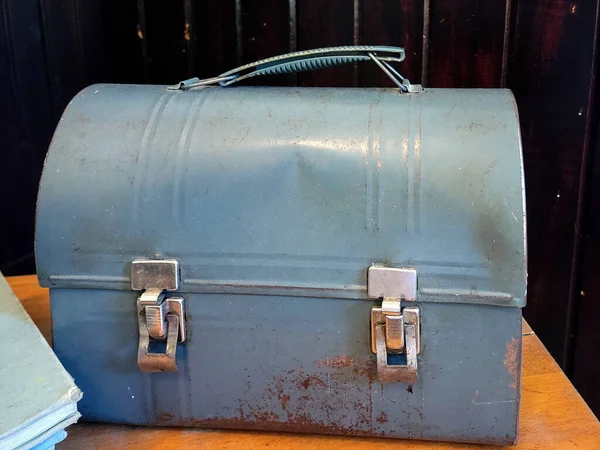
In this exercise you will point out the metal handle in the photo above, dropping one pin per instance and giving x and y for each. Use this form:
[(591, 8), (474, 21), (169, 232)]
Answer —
[(308, 60)]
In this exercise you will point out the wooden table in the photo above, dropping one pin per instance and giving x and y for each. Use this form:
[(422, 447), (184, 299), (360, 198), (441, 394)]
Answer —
[(553, 415)]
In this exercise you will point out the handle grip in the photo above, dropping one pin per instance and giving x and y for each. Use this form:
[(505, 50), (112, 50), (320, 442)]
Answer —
[(309, 60), (315, 59)]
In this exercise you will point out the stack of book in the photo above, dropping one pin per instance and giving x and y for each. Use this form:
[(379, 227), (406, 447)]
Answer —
[(38, 398)]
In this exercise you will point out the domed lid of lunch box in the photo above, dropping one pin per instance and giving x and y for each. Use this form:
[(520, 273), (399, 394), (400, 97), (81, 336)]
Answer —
[(287, 191)]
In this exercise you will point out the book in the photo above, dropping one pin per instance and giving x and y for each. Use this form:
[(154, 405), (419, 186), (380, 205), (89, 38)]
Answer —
[(38, 398)]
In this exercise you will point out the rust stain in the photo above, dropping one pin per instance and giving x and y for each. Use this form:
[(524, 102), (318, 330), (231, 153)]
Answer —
[(186, 32), (311, 380), (382, 417), (139, 32), (489, 169), (364, 367), (264, 416), (163, 417), (512, 359), (332, 398), (284, 399), (336, 362), (300, 423), (307, 409), (419, 412)]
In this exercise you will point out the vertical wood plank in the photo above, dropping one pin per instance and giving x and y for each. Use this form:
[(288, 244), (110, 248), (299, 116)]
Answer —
[(189, 36), (509, 23), (266, 31), (392, 22), (239, 49), (124, 62), (466, 40), (74, 47), (550, 75), (216, 36), (26, 124), (326, 24), (165, 40), (425, 50), (63, 49), (293, 21), (10, 137), (90, 25), (142, 36), (590, 138), (585, 364)]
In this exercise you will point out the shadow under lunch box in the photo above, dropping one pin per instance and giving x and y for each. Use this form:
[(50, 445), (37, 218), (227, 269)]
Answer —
[(321, 260)]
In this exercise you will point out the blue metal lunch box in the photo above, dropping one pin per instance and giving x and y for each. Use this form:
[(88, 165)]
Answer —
[(322, 260)]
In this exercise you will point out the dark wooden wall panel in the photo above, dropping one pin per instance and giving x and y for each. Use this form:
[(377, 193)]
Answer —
[(74, 47), (265, 29), (216, 36), (25, 130), (189, 37), (316, 28), (551, 77), (466, 43), (586, 370), (164, 33), (62, 42), (124, 61), (586, 311), (89, 20), (268, 29), (397, 22)]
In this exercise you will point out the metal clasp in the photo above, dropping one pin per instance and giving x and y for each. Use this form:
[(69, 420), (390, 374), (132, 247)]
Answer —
[(160, 318), (395, 329)]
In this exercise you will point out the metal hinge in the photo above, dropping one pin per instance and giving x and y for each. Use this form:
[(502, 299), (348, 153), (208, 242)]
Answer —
[(160, 318), (395, 329)]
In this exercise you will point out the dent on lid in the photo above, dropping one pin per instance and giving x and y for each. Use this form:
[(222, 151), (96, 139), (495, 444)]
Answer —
[(285, 191)]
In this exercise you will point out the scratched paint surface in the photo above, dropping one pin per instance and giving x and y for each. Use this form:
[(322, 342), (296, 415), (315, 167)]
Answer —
[(275, 201), (318, 183), (290, 364)]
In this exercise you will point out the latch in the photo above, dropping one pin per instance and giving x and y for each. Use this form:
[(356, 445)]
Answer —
[(395, 329), (160, 318)]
